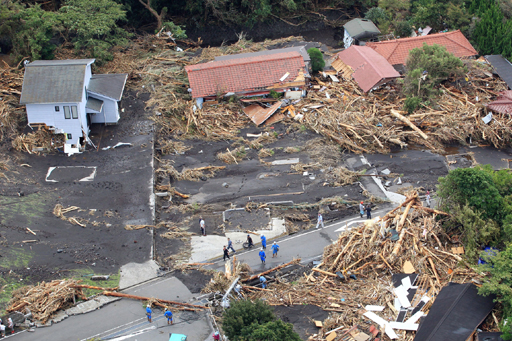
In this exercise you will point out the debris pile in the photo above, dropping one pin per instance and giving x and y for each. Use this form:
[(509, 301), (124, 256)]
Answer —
[(403, 254), (59, 212), (43, 300)]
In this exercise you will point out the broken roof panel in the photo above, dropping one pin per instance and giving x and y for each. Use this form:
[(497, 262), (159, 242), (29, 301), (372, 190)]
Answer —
[(396, 51), (110, 85), (370, 68), (258, 114), (457, 311), (503, 68), (361, 28), (502, 104), (300, 49), (244, 74)]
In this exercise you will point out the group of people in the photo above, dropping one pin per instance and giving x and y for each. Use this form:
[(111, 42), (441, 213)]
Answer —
[(250, 243), (367, 208), (167, 314), (10, 326)]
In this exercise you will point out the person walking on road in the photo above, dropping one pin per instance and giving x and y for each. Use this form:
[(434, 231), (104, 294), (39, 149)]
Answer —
[(368, 211), (262, 256), (2, 330), (249, 241), (361, 209), (427, 199), (10, 325), (216, 336), (168, 315), (226, 253), (263, 242), (274, 248), (203, 226), (148, 313), (263, 282), (320, 220), (230, 245)]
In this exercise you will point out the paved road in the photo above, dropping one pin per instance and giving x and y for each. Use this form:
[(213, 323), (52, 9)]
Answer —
[(308, 245), (125, 319)]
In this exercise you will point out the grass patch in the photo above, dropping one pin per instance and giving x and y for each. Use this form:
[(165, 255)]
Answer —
[(85, 276), (24, 210), (13, 258)]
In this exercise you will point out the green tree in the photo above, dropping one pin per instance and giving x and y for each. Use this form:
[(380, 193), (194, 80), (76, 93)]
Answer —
[(92, 26), (271, 331), (402, 29), (242, 314), (377, 15), (29, 28), (317, 59), (426, 68), (255, 321), (499, 282)]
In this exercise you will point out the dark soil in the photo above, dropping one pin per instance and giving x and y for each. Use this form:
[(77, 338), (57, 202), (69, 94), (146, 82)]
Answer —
[(117, 196), (194, 280), (302, 317)]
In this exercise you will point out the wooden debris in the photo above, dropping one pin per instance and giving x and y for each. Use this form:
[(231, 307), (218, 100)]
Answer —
[(141, 298)]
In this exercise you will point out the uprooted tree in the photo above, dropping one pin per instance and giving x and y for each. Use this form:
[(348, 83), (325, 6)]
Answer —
[(427, 67)]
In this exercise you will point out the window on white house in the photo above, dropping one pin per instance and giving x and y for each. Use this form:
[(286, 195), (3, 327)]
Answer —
[(74, 111), (57, 108), (67, 113), (70, 136)]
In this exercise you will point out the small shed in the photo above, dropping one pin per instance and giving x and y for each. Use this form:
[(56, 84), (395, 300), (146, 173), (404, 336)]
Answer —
[(359, 30)]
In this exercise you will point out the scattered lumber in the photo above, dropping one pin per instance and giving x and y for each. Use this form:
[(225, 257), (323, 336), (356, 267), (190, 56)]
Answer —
[(141, 298), (272, 270)]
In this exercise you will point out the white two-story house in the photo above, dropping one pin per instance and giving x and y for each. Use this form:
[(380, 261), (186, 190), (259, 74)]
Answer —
[(66, 97)]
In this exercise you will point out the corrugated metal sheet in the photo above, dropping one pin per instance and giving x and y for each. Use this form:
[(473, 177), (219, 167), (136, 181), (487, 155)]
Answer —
[(258, 114), (111, 85), (503, 68), (53, 83)]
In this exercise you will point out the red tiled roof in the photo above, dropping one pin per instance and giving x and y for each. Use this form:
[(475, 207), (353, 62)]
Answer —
[(370, 68), (243, 74), (503, 104), (396, 51)]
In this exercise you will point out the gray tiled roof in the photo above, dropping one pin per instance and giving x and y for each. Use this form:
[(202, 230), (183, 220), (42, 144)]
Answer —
[(47, 82), (300, 49), (502, 66), (94, 104), (111, 85)]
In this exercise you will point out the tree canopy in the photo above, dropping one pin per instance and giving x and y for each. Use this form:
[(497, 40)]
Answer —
[(255, 321), (317, 59)]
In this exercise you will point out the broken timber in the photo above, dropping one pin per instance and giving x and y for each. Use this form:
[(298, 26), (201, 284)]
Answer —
[(141, 298), (273, 269)]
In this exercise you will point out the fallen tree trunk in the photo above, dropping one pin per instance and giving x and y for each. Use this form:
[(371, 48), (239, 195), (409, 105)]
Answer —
[(325, 272), (409, 123), (84, 286), (429, 210), (273, 269), (141, 298)]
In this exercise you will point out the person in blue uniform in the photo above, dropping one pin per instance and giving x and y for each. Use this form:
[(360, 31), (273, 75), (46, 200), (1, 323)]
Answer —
[(168, 314), (262, 256), (263, 282), (148, 313), (274, 248), (264, 242)]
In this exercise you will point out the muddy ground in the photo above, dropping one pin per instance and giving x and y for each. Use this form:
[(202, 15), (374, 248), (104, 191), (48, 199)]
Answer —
[(118, 195)]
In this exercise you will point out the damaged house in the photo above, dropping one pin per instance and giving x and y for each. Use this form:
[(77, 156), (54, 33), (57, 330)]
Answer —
[(396, 51), (65, 97), (368, 68), (358, 31), (247, 75)]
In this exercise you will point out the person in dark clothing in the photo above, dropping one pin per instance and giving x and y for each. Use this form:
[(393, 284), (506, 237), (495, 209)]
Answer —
[(368, 212), (249, 241), (226, 252)]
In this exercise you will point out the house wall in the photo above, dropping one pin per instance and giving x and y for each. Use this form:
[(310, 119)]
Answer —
[(110, 112), (347, 40), (45, 113)]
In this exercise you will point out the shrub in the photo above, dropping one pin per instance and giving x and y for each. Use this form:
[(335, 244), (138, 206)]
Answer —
[(317, 59)]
